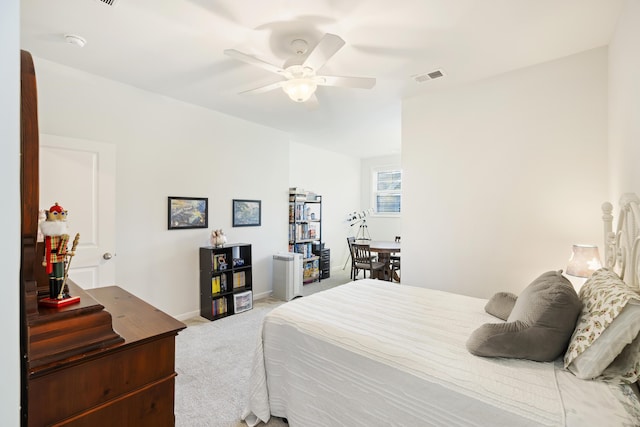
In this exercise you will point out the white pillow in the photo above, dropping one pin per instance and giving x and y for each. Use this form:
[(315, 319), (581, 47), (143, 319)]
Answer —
[(626, 367), (601, 353)]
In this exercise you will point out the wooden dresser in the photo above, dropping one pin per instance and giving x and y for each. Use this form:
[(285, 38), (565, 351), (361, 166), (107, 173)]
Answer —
[(130, 383), (108, 360)]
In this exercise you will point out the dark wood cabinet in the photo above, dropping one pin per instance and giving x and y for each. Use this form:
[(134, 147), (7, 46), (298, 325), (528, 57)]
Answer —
[(226, 280)]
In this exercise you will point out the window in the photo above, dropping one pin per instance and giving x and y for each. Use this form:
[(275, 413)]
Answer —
[(387, 191)]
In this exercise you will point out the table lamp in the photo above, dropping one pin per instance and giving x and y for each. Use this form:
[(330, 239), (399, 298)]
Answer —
[(584, 260)]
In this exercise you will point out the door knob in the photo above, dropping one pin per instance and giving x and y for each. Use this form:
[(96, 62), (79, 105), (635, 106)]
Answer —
[(107, 255)]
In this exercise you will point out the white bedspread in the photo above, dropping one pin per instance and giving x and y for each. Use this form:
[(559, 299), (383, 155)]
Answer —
[(375, 353)]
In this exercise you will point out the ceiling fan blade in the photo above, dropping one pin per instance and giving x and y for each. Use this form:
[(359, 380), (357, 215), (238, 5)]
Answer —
[(267, 88), (354, 82), (325, 49), (254, 61)]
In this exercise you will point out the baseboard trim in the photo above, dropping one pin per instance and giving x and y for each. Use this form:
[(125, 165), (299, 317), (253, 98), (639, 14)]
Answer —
[(262, 295), (186, 316)]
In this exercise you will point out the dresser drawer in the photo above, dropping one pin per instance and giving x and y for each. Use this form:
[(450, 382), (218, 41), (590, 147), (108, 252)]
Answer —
[(149, 407), (64, 393)]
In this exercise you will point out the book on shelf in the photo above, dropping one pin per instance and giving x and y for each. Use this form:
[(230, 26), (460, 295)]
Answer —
[(311, 270), (219, 284), (239, 279), (298, 212), (297, 194), (215, 285), (219, 306), (306, 249), (223, 283)]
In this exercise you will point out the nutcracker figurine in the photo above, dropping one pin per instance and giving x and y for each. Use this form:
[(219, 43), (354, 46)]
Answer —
[(56, 257)]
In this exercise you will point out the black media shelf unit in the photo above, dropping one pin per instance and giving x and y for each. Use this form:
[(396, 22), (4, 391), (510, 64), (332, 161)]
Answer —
[(325, 260), (225, 280)]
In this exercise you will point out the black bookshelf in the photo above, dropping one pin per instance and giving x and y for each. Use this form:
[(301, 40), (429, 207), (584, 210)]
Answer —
[(225, 280), (305, 230)]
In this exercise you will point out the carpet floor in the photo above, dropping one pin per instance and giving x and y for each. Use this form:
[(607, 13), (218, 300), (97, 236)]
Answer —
[(213, 362)]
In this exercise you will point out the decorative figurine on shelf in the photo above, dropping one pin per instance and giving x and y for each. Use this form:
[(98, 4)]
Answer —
[(218, 239), (221, 260), (56, 257)]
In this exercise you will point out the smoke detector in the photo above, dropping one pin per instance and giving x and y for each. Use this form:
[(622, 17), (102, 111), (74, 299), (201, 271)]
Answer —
[(75, 40)]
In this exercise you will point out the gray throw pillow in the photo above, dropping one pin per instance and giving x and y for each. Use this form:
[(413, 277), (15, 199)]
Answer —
[(501, 304), (538, 328)]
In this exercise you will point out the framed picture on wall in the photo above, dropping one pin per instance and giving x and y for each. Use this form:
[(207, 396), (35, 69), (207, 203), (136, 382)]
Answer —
[(246, 213), (188, 212)]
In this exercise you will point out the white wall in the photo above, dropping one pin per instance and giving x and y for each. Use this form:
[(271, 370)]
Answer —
[(337, 178), (503, 175), (624, 104), (10, 216), (170, 148), (380, 227)]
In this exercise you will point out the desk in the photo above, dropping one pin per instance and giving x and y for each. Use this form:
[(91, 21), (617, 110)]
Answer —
[(384, 249)]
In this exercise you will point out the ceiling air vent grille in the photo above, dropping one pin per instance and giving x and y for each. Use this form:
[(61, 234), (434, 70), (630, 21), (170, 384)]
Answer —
[(425, 77), (109, 2)]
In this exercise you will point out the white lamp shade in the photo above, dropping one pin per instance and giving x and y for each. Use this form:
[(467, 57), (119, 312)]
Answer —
[(299, 90), (584, 260)]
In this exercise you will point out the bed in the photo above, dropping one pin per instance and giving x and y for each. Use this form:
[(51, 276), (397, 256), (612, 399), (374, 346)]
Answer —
[(372, 353)]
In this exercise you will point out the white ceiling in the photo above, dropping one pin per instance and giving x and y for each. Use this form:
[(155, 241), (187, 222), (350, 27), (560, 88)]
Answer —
[(175, 48)]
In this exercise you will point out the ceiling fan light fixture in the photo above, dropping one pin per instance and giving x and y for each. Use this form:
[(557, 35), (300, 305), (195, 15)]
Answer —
[(300, 90), (300, 70)]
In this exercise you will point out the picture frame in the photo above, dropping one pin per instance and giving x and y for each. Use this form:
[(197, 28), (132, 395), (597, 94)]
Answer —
[(246, 213), (188, 212)]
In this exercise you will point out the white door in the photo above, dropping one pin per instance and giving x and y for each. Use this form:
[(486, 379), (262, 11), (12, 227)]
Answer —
[(80, 175)]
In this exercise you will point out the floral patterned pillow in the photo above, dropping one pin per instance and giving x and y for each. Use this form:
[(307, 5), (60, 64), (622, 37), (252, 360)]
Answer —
[(604, 296)]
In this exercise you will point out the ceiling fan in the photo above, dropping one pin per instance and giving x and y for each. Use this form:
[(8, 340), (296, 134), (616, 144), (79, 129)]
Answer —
[(300, 73)]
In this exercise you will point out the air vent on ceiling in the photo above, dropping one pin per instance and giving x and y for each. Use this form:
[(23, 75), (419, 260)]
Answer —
[(109, 2), (425, 77)]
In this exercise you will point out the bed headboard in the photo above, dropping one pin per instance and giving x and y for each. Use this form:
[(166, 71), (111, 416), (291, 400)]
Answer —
[(622, 246)]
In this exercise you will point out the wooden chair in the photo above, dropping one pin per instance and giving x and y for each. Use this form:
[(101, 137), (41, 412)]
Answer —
[(362, 260), (350, 242), (395, 267), (394, 262)]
